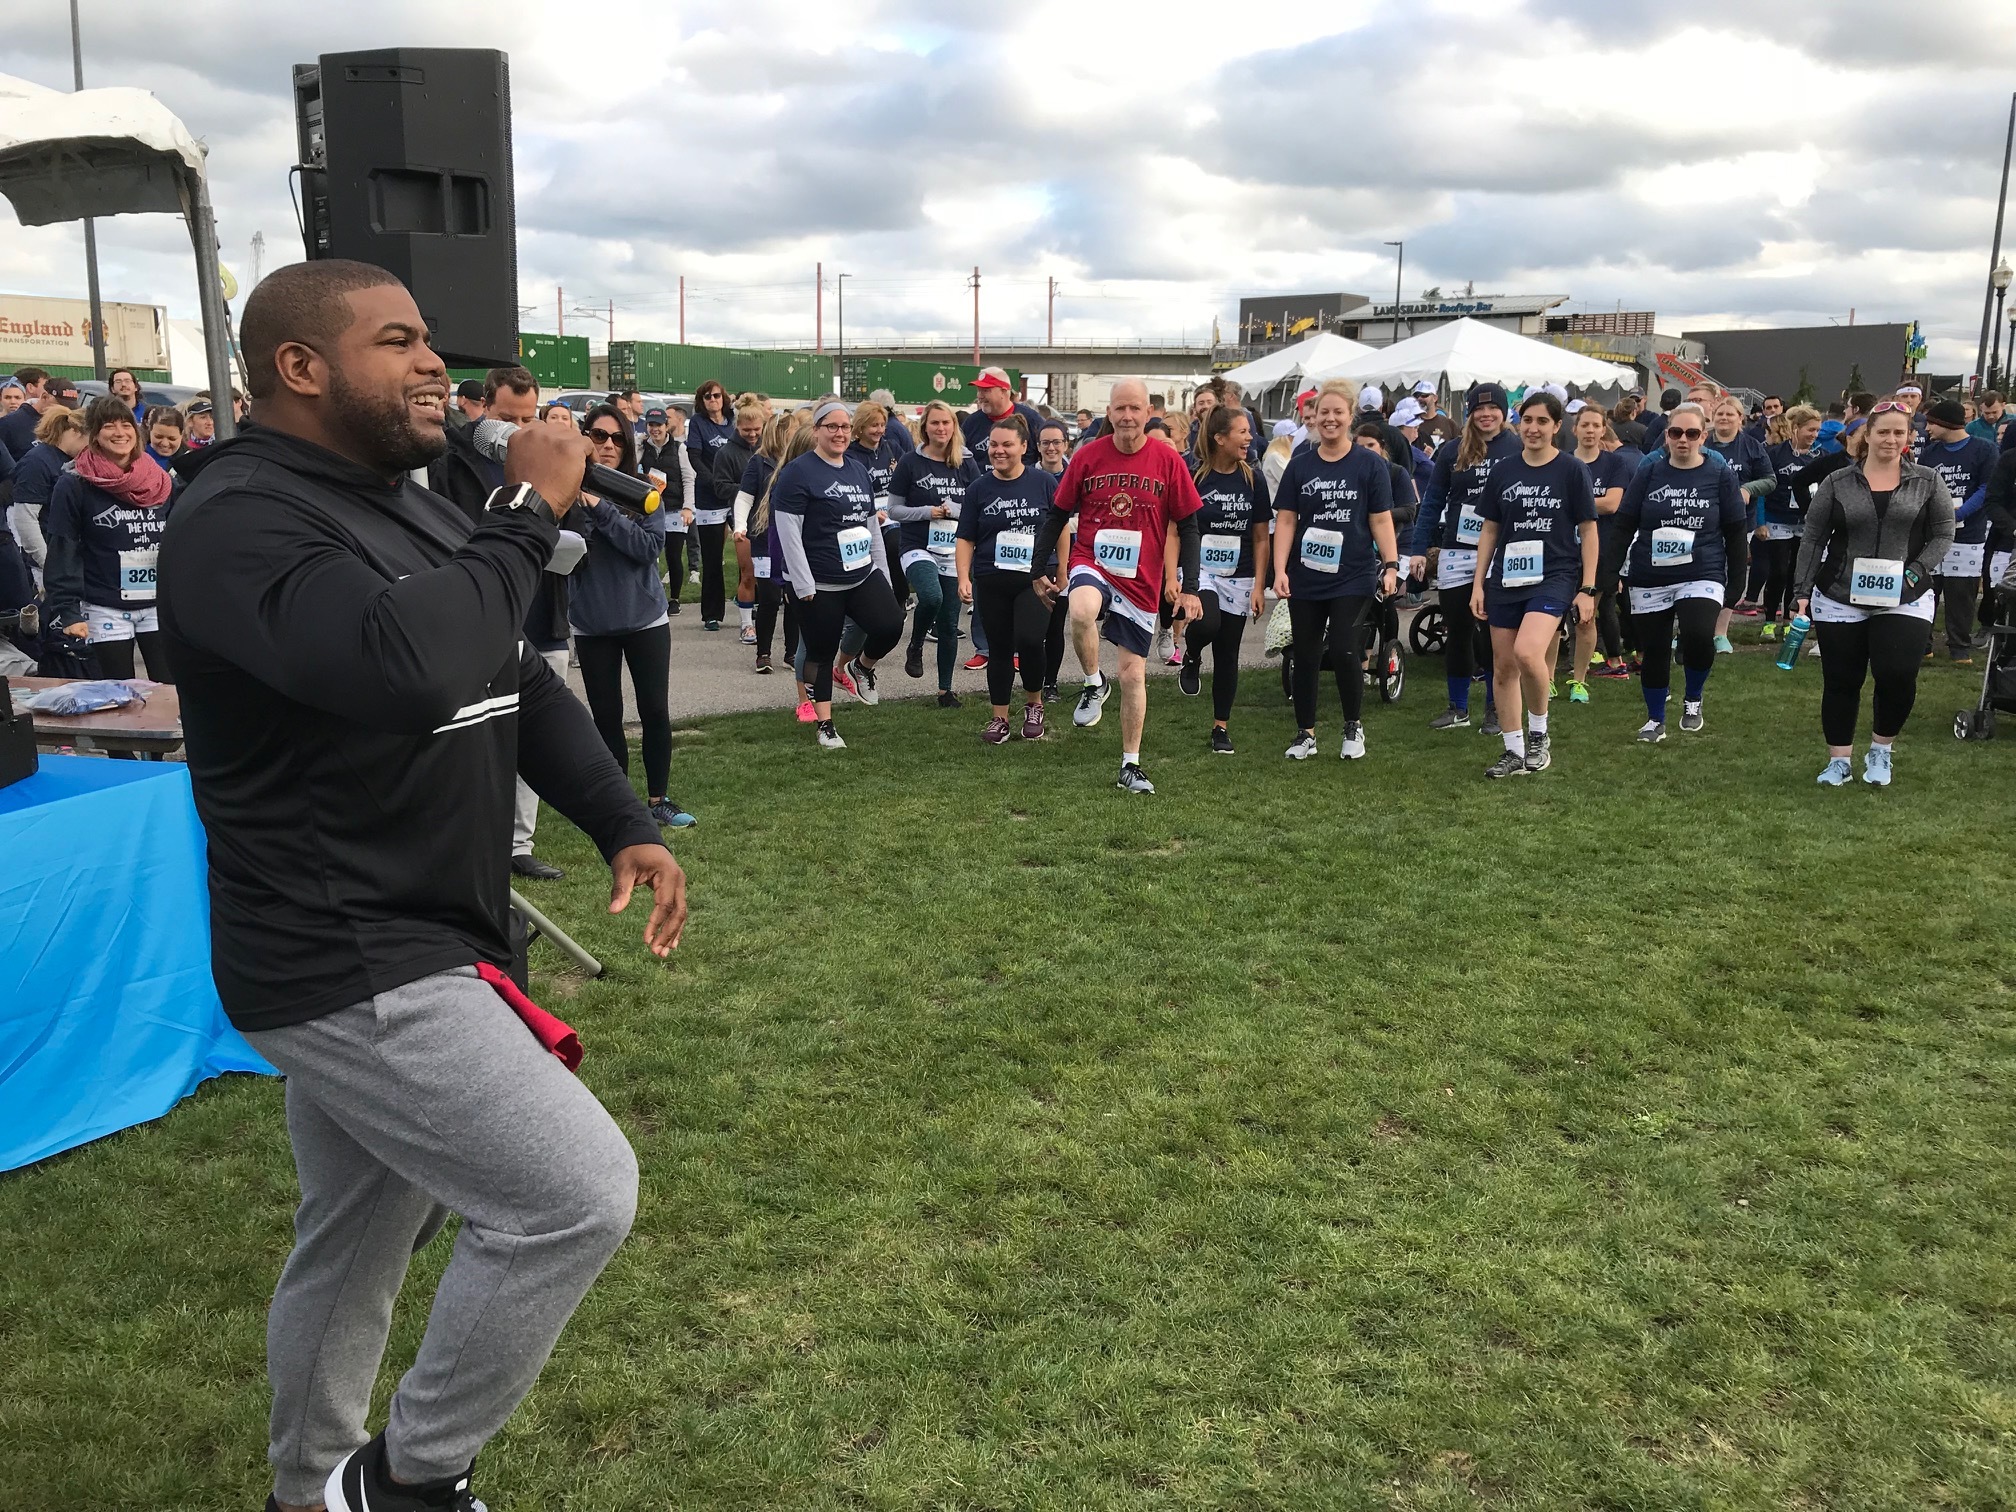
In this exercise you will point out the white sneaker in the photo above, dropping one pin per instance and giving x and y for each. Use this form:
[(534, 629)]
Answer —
[(1303, 749), (829, 738), (1354, 741), (1090, 700)]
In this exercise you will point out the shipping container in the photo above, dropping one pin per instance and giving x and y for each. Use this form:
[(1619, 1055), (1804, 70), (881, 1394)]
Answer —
[(56, 334), (918, 382)]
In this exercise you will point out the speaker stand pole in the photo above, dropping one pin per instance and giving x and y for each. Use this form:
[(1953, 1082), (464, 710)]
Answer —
[(210, 301)]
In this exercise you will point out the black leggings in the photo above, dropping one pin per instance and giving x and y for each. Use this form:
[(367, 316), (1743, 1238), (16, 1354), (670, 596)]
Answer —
[(708, 540), (1609, 633), (1013, 617), (1339, 625), (649, 653), (870, 604), (115, 658), (1655, 640), (675, 567), (1889, 645), (771, 598), (1778, 558), (1466, 644), (1222, 632)]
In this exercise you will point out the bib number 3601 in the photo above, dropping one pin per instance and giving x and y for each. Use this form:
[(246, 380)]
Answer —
[(1118, 552), (1524, 564)]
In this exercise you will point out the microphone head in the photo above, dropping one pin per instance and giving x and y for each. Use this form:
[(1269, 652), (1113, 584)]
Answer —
[(492, 437)]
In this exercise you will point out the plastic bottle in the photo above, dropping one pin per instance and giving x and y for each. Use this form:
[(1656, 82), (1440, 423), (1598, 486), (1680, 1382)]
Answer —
[(1795, 637)]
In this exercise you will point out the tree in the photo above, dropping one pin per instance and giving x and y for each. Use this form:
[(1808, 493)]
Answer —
[(1804, 393), (1855, 383)]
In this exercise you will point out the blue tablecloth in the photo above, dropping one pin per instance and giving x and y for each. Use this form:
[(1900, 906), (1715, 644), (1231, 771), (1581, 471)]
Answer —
[(108, 1016)]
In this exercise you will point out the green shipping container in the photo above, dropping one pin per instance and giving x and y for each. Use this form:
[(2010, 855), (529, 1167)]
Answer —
[(920, 382), (559, 362)]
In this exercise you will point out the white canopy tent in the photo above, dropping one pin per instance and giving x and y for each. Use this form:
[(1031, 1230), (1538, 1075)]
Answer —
[(1467, 351), (1320, 351), (101, 152)]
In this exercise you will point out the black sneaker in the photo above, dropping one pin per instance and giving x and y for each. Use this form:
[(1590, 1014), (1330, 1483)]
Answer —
[(1491, 725), (1539, 753), (948, 700), (1510, 764), (1451, 718), (361, 1482), (1049, 693), (1189, 678), (1221, 741), (1134, 780), (1652, 732), (1690, 716), (913, 660)]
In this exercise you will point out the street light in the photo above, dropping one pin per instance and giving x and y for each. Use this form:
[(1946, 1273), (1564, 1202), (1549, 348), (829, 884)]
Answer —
[(1999, 281), (1399, 262)]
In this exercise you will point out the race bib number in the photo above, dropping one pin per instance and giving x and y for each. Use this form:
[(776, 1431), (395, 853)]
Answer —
[(136, 575), (1524, 564), (760, 566), (1469, 526), (1015, 550), (1876, 583), (855, 551), (1322, 550), (1671, 546), (1118, 552), (1221, 554), (941, 536)]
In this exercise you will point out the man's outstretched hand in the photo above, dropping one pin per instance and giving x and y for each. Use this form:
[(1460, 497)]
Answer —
[(651, 866)]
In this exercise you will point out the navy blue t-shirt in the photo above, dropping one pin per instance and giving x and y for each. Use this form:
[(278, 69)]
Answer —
[(920, 480), (834, 499), (704, 440), (1541, 507), (1611, 469), (1744, 453), (1234, 502), (754, 476), (106, 529), (1963, 468), (1335, 500), (975, 427), (880, 462), (1781, 505), (1693, 507), (994, 504), (1440, 522)]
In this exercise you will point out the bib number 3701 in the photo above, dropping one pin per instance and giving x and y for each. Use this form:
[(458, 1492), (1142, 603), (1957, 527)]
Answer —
[(1118, 552)]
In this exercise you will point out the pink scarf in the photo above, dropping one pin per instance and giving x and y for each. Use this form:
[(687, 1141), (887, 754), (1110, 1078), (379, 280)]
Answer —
[(146, 485)]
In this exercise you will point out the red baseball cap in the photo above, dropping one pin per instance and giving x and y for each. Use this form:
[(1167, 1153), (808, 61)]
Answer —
[(991, 379)]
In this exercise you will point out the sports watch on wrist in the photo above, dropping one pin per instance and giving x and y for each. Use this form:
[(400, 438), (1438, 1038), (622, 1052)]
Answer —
[(1588, 588), (514, 496)]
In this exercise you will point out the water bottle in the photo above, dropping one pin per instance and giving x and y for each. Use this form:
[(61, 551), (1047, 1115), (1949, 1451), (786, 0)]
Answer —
[(1795, 637)]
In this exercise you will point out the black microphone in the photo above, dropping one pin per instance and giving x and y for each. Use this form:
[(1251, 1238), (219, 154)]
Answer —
[(493, 437)]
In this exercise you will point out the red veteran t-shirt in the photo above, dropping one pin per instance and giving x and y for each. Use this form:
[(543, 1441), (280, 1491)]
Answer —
[(1125, 502)]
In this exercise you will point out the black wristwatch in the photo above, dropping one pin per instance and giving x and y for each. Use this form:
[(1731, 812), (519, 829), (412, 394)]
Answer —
[(1590, 589), (515, 496)]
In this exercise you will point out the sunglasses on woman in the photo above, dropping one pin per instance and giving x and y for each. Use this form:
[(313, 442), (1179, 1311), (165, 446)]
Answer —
[(1691, 433), (597, 433)]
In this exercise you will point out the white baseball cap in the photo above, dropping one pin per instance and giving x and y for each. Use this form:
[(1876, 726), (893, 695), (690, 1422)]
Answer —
[(1406, 413), (1425, 386), (1371, 397)]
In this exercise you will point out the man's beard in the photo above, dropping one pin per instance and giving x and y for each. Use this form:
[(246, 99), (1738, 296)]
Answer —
[(380, 431)]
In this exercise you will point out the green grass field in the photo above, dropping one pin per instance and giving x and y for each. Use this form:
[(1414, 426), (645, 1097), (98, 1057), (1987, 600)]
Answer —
[(1307, 1136)]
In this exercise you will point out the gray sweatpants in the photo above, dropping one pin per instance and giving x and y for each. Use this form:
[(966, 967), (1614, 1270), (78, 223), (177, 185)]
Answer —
[(430, 1099)]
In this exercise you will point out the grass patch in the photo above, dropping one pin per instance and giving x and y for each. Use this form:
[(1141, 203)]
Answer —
[(1307, 1136)]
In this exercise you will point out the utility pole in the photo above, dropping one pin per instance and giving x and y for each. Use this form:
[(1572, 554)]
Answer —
[(1994, 252), (819, 307), (90, 227), (1399, 262), (840, 285), (559, 310), (976, 315), (1050, 323), (612, 322), (682, 309), (258, 257)]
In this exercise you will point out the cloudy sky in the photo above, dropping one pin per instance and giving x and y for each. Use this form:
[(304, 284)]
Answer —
[(1710, 161)]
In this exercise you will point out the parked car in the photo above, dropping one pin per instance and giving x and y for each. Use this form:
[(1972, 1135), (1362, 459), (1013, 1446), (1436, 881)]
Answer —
[(151, 394)]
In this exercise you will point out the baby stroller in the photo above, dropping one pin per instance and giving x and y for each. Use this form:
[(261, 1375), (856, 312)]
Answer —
[(1385, 657), (1998, 678)]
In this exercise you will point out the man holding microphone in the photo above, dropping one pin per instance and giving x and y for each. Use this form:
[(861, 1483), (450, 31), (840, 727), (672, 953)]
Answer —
[(357, 703)]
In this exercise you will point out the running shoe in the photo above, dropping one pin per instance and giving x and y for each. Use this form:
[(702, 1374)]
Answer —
[(1353, 748), (829, 738), (362, 1482), (1652, 732), (1835, 773), (1165, 645), (1595, 659), (1876, 766), (1578, 691), (844, 682), (1814, 649), (976, 662), (913, 660), (672, 606), (1032, 721), (1173, 659), (1746, 610), (1049, 693), (1963, 661), (1508, 764), (1615, 669), (949, 700), (1539, 753), (1722, 645), (1090, 702), (748, 635), (1768, 631), (997, 731), (1690, 715), (1304, 747), (671, 816), (1491, 725), (710, 624), (762, 665), (1221, 741), (807, 714), (1189, 676), (864, 682), (1451, 718), (693, 576), (1134, 780)]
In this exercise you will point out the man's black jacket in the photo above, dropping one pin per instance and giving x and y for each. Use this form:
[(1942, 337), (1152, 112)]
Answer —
[(465, 478), (356, 698)]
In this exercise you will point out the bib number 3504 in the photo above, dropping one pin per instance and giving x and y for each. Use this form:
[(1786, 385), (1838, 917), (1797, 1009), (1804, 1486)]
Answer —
[(1118, 552)]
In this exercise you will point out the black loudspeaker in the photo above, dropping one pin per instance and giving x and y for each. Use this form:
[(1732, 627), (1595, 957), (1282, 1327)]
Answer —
[(406, 164)]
